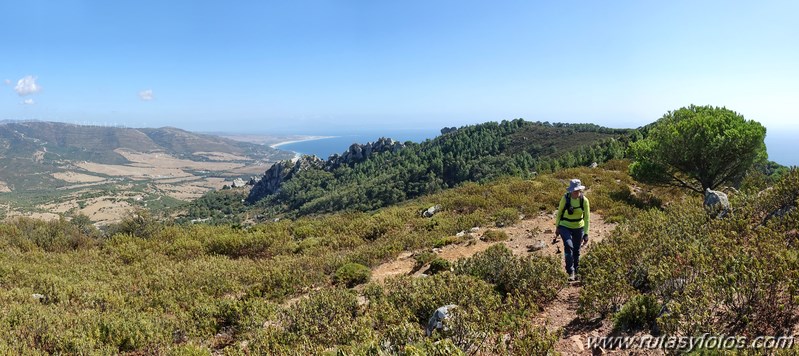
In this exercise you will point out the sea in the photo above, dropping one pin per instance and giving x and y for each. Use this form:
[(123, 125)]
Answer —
[(339, 143), (782, 146)]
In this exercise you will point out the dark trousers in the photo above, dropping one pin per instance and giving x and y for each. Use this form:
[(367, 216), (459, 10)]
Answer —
[(572, 239)]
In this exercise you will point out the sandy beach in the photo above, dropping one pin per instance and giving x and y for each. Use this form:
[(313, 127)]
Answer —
[(309, 138)]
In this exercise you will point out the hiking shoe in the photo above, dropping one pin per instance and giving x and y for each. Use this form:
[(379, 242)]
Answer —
[(572, 277)]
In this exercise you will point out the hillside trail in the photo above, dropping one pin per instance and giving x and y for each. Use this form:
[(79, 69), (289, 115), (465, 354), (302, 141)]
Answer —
[(561, 313)]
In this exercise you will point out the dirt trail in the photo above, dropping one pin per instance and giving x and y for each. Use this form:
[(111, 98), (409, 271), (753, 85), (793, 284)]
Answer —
[(538, 230)]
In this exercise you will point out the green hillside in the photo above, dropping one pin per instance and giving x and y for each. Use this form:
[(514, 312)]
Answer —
[(474, 153)]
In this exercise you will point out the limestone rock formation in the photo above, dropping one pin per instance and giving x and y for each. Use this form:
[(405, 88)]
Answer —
[(278, 173), (285, 170), (716, 203)]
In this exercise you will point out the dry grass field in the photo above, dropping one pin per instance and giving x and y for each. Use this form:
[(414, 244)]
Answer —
[(107, 192)]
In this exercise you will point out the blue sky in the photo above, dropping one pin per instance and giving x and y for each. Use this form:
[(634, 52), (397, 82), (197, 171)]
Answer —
[(300, 66)]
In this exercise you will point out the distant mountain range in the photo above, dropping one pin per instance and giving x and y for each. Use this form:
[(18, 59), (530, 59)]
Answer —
[(49, 169), (30, 152)]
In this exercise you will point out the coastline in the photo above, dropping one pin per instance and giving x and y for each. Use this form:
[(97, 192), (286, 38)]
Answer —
[(309, 138)]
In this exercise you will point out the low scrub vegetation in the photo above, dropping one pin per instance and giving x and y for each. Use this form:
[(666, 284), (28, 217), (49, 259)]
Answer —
[(281, 287), (682, 273), (352, 274)]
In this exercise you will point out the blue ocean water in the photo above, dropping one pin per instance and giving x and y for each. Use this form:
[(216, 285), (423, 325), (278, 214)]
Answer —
[(324, 148), (781, 146)]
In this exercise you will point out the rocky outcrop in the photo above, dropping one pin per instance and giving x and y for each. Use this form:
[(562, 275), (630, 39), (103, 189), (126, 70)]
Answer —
[(359, 153), (540, 245), (238, 183), (716, 203), (280, 172), (428, 213), (285, 170), (436, 321)]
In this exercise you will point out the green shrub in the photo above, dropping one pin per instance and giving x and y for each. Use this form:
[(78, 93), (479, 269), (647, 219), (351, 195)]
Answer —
[(127, 332), (430, 347), (253, 244), (140, 223), (422, 296), (398, 335), (527, 339), (52, 236), (423, 258), (309, 245), (527, 279), (640, 312), (712, 275), (326, 317), (352, 274), (188, 350), (495, 235), (617, 165), (444, 241), (438, 265), (186, 249), (506, 217), (476, 317)]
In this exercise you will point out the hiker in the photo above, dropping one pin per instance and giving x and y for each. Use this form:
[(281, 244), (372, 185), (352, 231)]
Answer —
[(571, 224)]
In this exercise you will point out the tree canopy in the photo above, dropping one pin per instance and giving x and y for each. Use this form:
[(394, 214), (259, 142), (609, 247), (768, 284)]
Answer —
[(698, 147)]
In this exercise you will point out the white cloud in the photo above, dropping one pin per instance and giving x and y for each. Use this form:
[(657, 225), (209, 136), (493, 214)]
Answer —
[(146, 95), (28, 101), (27, 86), (7, 82)]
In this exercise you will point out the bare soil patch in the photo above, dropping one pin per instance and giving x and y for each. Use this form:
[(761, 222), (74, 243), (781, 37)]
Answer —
[(192, 189), (75, 177), (163, 160), (402, 265), (133, 172), (221, 156), (107, 211)]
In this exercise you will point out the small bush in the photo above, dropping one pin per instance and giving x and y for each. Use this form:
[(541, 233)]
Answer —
[(423, 258), (140, 223), (438, 265), (506, 217), (617, 165), (526, 279), (422, 296), (326, 317), (527, 339), (495, 235), (254, 244), (51, 236), (352, 274), (641, 311), (441, 242)]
